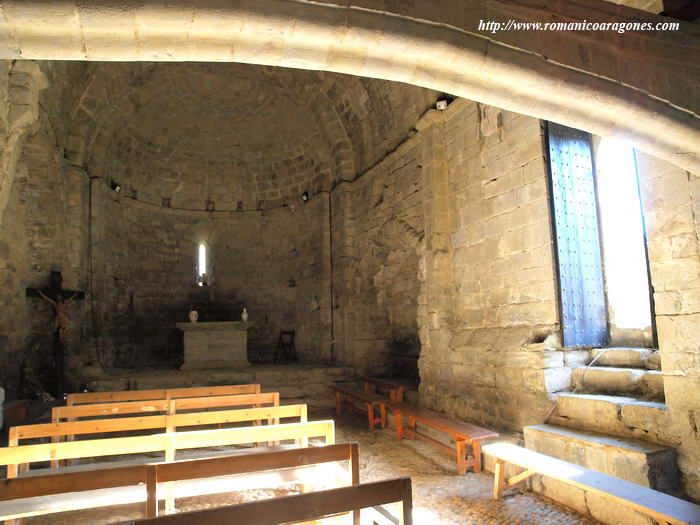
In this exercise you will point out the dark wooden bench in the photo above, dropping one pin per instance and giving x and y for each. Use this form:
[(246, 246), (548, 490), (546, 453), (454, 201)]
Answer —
[(344, 394), (462, 433), (659, 506), (394, 391)]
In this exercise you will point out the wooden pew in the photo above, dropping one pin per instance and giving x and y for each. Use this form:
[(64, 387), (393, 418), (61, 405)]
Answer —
[(122, 482), (394, 391), (59, 414), (657, 505), (168, 422), (301, 507), (462, 433), (159, 393), (344, 395)]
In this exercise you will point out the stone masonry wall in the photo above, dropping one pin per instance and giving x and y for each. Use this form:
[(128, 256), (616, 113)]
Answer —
[(145, 277), (500, 360), (377, 252), (671, 200), (450, 235)]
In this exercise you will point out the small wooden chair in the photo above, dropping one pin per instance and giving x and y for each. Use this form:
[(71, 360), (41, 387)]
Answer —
[(286, 351)]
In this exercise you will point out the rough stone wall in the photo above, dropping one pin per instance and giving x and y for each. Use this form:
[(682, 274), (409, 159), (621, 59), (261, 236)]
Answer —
[(379, 225), (671, 200), (497, 366), (449, 237), (144, 268), (43, 224)]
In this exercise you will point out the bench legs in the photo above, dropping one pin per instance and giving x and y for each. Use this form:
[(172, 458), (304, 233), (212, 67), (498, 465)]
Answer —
[(500, 483), (381, 420), (338, 403)]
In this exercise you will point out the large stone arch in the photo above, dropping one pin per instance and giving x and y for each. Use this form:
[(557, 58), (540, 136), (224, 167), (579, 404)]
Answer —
[(638, 85)]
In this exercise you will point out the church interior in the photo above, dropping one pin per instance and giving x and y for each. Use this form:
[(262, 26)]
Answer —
[(258, 267)]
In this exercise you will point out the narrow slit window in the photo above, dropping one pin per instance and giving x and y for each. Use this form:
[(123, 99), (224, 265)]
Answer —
[(202, 264)]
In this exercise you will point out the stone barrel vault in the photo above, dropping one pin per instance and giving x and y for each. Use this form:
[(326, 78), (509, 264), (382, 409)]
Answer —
[(638, 85)]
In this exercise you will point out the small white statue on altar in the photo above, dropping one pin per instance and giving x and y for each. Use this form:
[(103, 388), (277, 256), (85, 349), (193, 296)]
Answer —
[(244, 315)]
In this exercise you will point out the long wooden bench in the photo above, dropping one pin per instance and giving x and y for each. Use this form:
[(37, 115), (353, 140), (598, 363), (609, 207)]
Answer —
[(167, 443), (344, 395), (463, 434), (302, 507), (392, 390), (67, 491), (659, 506), (159, 393), (165, 422), (59, 414)]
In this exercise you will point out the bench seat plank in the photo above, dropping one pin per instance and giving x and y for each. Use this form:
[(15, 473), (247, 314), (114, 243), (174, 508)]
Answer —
[(462, 433), (656, 504), (458, 429), (360, 394)]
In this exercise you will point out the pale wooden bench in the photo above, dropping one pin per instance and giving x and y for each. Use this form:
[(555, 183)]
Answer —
[(167, 443), (159, 393), (61, 413), (167, 422), (394, 391), (108, 486), (462, 433), (304, 507), (344, 395), (661, 507)]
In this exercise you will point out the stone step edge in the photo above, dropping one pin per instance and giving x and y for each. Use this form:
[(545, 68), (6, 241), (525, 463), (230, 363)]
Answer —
[(600, 440), (618, 400)]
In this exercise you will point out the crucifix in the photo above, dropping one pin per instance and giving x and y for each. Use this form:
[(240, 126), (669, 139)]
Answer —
[(59, 299)]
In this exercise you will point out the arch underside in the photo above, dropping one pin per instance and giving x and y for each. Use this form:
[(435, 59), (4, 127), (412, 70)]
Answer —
[(593, 86)]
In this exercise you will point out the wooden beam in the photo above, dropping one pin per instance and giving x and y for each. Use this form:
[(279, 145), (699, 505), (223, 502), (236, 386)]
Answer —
[(240, 464), (301, 507), (519, 478), (61, 483)]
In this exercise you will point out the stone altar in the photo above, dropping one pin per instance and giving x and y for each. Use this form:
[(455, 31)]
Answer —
[(215, 345)]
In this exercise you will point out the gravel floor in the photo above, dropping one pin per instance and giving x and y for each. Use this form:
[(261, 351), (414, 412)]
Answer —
[(440, 496)]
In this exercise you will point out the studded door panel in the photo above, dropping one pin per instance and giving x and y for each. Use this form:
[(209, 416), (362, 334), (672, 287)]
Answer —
[(582, 289)]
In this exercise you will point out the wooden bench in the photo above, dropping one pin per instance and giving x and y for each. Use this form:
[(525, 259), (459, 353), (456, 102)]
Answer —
[(659, 506), (344, 395), (162, 405), (462, 433), (166, 422), (394, 391), (159, 393), (68, 491), (302, 507), (167, 443)]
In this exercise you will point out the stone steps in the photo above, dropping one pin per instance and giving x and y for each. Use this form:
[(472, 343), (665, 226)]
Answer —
[(636, 461), (646, 464), (641, 382), (625, 417), (647, 358)]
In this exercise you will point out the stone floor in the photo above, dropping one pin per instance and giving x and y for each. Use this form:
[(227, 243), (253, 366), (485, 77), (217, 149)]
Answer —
[(440, 496)]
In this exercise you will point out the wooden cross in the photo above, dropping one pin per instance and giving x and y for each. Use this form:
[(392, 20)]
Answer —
[(59, 299)]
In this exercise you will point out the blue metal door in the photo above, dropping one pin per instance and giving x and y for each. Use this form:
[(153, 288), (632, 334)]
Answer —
[(580, 269)]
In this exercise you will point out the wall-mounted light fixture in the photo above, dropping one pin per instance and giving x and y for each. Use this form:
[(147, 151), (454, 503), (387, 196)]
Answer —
[(305, 196)]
